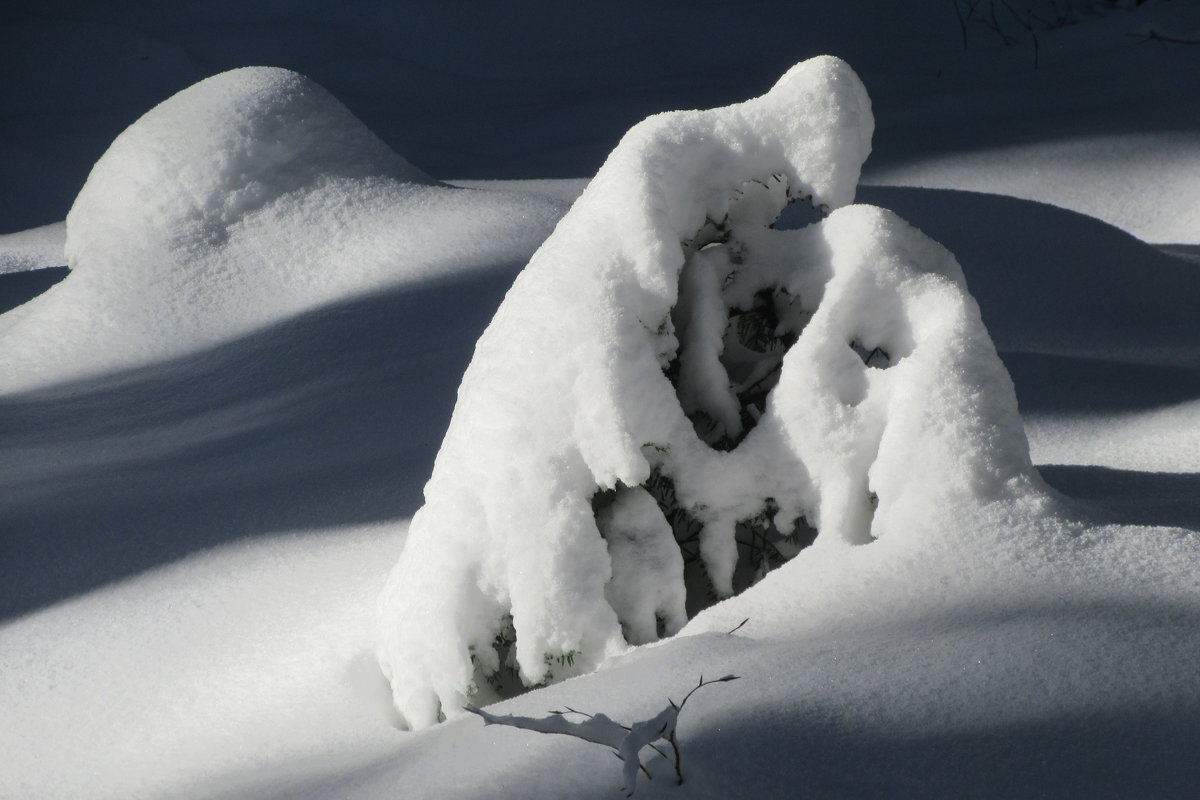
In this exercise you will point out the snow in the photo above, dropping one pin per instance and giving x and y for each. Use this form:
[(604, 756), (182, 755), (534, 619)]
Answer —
[(223, 631), (34, 248), (647, 567), (245, 199), (507, 518), (193, 541)]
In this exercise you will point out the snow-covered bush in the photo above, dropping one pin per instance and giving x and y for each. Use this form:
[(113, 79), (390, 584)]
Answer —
[(675, 397)]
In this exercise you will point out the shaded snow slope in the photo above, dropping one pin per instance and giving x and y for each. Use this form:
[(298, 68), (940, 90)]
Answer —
[(247, 198), (329, 419)]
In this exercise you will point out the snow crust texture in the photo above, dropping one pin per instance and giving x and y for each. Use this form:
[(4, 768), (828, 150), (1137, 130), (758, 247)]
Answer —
[(667, 344), (243, 200)]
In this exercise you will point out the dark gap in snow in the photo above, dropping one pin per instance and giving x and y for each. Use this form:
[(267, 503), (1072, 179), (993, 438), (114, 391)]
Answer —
[(873, 504), (799, 213), (710, 233), (755, 342), (504, 681), (687, 530), (492, 682), (763, 547), (18, 288), (875, 357)]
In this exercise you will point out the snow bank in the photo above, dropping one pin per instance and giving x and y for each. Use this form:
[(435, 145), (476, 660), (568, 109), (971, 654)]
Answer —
[(244, 199), (635, 359)]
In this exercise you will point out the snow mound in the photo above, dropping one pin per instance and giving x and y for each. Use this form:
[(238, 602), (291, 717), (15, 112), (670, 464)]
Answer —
[(670, 367), (244, 199)]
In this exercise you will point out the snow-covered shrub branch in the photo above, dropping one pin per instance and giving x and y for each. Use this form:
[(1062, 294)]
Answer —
[(627, 741), (676, 397)]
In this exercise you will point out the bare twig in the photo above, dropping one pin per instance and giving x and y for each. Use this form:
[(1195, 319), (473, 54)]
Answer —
[(626, 741), (962, 23), (1151, 34)]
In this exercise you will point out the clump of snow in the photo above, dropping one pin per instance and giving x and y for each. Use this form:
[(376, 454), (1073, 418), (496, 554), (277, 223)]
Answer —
[(240, 201), (647, 568), (622, 361)]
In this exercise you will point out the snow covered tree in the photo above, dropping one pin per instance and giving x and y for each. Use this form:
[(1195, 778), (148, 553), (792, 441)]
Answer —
[(676, 397)]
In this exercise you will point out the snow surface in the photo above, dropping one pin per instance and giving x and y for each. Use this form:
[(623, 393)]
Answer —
[(226, 501), (34, 248)]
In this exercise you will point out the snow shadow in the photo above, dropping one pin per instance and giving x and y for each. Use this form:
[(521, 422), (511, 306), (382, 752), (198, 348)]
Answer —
[(1055, 384), (1051, 279), (1094, 755), (17, 288), (897, 708), (907, 732), (331, 418), (1130, 496)]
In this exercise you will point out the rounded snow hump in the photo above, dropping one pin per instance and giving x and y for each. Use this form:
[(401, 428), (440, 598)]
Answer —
[(240, 201)]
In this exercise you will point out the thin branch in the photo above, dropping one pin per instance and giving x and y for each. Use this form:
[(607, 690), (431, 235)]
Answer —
[(678, 764), (704, 683), (962, 23), (1152, 35)]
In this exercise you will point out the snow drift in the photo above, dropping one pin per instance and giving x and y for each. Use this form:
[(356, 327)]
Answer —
[(672, 380), (240, 201)]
